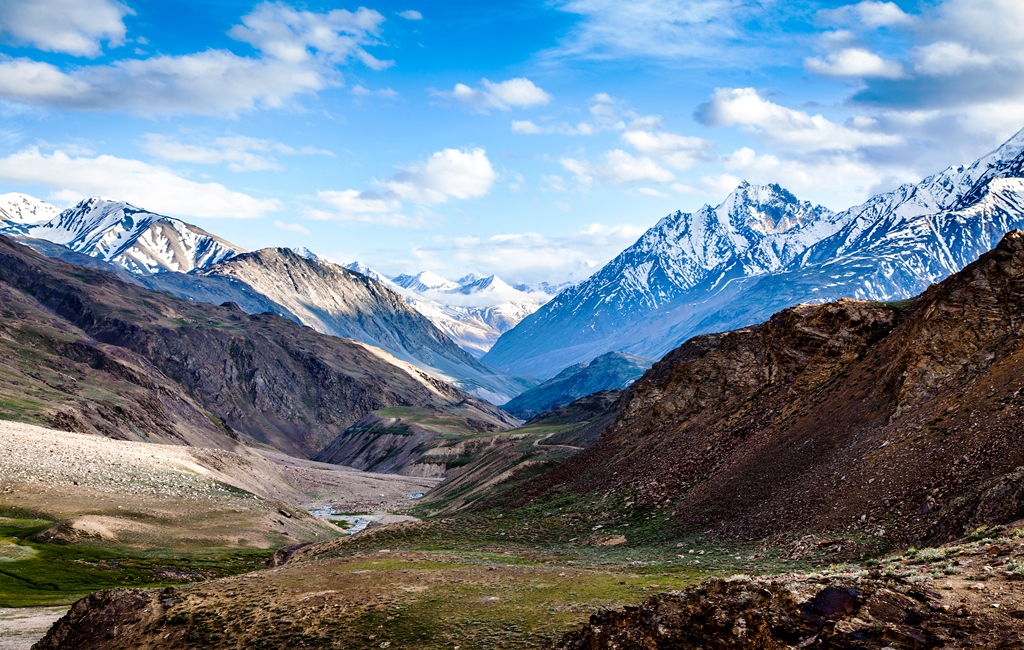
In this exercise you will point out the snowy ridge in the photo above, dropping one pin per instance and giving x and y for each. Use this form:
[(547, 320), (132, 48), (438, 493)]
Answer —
[(473, 311), (21, 210), (136, 239), (761, 251)]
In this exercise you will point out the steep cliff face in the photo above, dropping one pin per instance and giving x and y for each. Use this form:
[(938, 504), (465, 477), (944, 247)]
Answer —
[(875, 417), (200, 372)]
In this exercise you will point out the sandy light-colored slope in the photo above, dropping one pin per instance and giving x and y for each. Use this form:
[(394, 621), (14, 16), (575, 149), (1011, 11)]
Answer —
[(146, 495)]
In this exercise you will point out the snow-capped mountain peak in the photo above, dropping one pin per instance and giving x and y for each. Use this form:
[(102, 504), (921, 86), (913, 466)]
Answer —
[(139, 240), (302, 251), (425, 281), (491, 284), (23, 209), (474, 311)]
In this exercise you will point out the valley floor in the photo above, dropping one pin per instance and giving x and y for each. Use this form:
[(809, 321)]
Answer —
[(81, 513)]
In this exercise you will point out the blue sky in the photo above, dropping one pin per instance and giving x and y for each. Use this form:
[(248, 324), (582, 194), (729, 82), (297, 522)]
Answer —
[(533, 138)]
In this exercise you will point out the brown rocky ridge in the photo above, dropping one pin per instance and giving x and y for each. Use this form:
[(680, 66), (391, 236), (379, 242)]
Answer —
[(881, 420)]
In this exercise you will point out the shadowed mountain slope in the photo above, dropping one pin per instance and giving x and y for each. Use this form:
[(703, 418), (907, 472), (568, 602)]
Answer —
[(611, 371)]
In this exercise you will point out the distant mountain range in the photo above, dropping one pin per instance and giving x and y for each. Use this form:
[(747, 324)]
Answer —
[(474, 311), (170, 255), (763, 250)]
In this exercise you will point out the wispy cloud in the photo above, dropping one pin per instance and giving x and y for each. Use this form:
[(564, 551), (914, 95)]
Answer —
[(240, 153), (528, 256), (503, 96), (292, 227), (656, 29)]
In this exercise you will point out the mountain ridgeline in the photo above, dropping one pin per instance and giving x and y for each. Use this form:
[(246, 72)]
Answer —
[(167, 254), (761, 251)]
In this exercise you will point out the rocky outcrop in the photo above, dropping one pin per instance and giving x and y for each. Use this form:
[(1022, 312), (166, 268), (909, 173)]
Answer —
[(868, 613), (871, 418), (95, 622)]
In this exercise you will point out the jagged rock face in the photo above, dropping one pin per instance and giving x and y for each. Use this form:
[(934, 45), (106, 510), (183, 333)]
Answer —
[(138, 240), (849, 415), (671, 286), (260, 376), (611, 371)]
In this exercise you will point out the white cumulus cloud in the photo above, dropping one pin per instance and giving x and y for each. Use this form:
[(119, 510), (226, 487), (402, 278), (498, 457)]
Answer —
[(411, 14), (151, 187), (75, 27), (451, 173), (677, 151), (869, 13), (854, 62), (947, 58), (447, 174), (513, 93)]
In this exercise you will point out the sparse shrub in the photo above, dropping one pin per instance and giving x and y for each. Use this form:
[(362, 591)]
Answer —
[(985, 533), (930, 554), (1015, 568)]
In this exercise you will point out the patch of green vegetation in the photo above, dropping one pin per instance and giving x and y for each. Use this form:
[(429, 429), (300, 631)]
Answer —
[(447, 425), (528, 610), (21, 410), (57, 574)]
